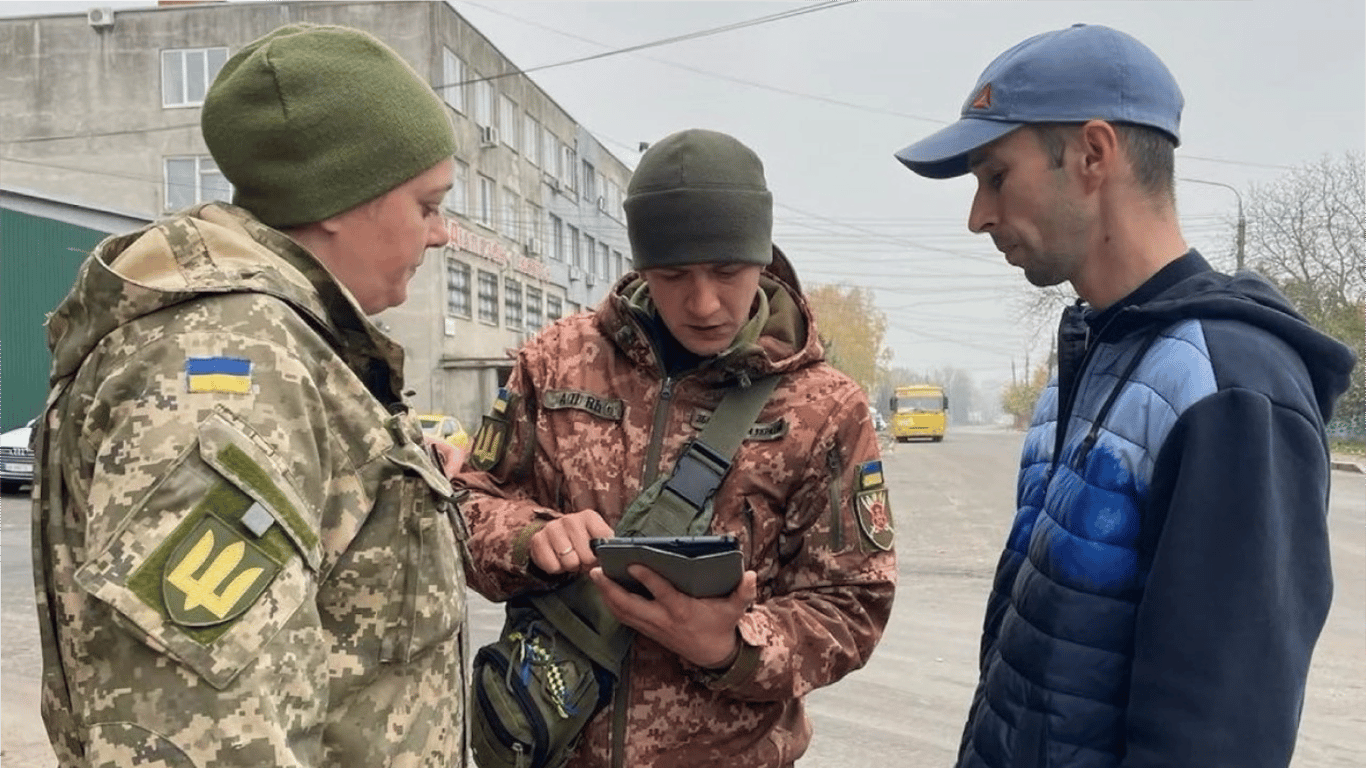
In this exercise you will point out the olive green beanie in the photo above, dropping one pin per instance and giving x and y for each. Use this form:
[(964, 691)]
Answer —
[(311, 120), (698, 197)]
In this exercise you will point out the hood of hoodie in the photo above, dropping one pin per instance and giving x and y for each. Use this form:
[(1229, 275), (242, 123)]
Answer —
[(209, 249), (1248, 298), (780, 336)]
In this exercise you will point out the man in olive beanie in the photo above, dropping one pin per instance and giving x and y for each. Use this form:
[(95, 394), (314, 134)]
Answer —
[(247, 554), (602, 406), (699, 196)]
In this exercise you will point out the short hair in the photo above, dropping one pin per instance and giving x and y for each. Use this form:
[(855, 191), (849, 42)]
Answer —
[(1152, 153)]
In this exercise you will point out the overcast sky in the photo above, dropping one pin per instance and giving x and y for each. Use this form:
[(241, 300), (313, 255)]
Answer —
[(825, 98)]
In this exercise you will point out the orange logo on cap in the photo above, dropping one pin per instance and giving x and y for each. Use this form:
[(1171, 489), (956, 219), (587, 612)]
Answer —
[(983, 100)]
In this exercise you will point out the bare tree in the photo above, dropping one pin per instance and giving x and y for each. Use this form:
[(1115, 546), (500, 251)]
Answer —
[(1307, 234)]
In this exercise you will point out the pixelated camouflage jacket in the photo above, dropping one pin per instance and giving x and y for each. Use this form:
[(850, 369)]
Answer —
[(243, 555), (588, 395)]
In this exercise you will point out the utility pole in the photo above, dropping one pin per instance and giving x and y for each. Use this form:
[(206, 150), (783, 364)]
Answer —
[(1242, 222)]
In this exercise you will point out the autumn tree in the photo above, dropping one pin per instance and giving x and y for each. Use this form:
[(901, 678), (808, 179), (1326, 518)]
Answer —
[(1306, 232), (852, 329)]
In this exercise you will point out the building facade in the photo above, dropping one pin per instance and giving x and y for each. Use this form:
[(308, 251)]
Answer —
[(103, 108)]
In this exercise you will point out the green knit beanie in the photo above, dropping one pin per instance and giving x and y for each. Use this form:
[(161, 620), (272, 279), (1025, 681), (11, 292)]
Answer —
[(699, 197), (311, 120)]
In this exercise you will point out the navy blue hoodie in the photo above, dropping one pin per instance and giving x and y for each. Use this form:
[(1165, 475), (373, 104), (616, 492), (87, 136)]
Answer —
[(1167, 574)]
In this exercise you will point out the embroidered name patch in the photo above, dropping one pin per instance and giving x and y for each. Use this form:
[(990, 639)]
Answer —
[(218, 374), (603, 408), (770, 430)]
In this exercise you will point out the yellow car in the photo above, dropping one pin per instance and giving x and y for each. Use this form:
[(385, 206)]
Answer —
[(446, 429)]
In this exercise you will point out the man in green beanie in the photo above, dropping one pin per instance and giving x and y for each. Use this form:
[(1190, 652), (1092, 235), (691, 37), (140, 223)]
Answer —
[(246, 554), (601, 407)]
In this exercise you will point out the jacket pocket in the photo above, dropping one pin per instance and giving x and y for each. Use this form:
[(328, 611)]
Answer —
[(207, 569)]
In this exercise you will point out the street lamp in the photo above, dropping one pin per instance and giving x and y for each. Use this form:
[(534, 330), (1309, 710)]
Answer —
[(1242, 223)]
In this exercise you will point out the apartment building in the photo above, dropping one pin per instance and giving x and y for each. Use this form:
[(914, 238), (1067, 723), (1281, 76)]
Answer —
[(103, 108)]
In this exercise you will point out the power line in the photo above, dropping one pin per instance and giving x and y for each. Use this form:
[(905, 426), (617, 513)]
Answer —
[(779, 16), (717, 75)]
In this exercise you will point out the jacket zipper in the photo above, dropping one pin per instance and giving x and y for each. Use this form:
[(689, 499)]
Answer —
[(666, 394)]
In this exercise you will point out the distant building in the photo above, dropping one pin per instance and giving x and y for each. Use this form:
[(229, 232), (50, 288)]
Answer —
[(103, 108)]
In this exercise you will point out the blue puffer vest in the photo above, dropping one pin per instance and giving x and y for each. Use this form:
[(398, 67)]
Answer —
[(1058, 637)]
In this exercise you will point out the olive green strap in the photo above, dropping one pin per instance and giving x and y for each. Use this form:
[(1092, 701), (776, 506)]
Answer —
[(683, 504)]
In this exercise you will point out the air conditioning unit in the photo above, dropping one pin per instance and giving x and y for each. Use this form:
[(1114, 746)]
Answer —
[(602, 204), (488, 136), (552, 181), (589, 279), (533, 248), (100, 17)]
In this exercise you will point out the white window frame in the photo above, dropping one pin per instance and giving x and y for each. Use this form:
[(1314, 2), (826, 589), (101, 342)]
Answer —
[(488, 191), (487, 303), (556, 238), (453, 79), (554, 308), (512, 303), (509, 130), (458, 198), (531, 140), (212, 58), (202, 167), (535, 318), (457, 294), (483, 103), (511, 218)]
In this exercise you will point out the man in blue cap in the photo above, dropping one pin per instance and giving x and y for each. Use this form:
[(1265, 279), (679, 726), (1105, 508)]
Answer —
[(1167, 573)]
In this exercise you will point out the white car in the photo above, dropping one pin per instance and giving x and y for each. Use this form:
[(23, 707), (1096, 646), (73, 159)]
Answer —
[(16, 458)]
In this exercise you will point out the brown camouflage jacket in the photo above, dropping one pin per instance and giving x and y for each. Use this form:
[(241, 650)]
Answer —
[(243, 554), (592, 417)]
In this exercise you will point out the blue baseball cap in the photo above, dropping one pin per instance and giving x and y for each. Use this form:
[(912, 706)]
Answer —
[(1084, 72)]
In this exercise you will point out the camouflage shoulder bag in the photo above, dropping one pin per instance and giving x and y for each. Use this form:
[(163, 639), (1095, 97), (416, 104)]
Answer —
[(558, 658)]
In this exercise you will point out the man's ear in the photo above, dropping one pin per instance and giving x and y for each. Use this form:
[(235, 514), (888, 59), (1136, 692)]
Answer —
[(1100, 151)]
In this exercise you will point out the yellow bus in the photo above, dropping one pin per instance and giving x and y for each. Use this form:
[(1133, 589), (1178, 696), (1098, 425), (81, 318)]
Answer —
[(919, 410)]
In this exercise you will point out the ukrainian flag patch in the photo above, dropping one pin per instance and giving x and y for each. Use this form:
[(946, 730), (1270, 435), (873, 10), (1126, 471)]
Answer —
[(870, 475), (218, 374)]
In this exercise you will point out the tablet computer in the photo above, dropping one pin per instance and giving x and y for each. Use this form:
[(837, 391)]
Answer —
[(700, 566)]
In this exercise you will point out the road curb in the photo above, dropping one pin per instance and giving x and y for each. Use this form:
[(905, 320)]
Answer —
[(1348, 466)]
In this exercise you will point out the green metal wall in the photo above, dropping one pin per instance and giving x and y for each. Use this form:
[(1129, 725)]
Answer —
[(38, 262)]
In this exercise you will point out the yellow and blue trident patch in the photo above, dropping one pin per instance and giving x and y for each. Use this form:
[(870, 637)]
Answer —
[(218, 374)]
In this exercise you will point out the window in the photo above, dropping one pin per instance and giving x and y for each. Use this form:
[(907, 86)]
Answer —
[(452, 80), (512, 303), (483, 102), (486, 194), (458, 199), (549, 148), (187, 74), (512, 218), (195, 179), (590, 249), (509, 130), (531, 140), (575, 254), (488, 297), (613, 199), (457, 288), (600, 192), (533, 225), (590, 182), (556, 238), (533, 309), (568, 169), (620, 264), (554, 308), (604, 262)]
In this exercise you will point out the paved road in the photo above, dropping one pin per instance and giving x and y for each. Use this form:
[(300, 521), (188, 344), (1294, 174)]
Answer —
[(952, 502)]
